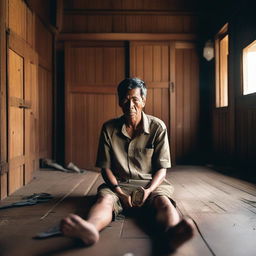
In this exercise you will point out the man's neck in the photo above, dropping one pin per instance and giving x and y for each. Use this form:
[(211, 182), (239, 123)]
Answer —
[(133, 123)]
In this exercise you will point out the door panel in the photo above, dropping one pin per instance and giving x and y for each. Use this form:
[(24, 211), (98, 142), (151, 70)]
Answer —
[(31, 127), (150, 62), (187, 102), (93, 71), (16, 121), (170, 71)]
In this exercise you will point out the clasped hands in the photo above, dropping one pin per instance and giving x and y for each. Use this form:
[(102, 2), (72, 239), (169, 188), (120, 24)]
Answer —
[(137, 199)]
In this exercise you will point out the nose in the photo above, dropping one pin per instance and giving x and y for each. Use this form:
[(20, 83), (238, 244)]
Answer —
[(131, 104)]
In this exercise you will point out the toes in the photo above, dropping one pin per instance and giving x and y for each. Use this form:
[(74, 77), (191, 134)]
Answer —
[(66, 225), (75, 226), (76, 219)]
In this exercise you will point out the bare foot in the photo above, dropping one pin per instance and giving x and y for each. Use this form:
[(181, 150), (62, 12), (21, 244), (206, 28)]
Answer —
[(75, 226), (180, 233)]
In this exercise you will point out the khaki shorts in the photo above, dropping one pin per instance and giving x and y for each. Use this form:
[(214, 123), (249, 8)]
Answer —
[(165, 189)]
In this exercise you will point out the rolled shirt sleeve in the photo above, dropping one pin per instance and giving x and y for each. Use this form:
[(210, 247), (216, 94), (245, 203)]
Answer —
[(161, 156), (104, 150)]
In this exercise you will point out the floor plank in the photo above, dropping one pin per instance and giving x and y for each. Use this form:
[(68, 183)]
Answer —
[(223, 208)]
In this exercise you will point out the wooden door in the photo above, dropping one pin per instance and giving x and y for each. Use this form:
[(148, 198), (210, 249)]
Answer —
[(150, 61), (170, 70), (185, 76), (22, 115), (92, 73), (16, 124), (31, 120)]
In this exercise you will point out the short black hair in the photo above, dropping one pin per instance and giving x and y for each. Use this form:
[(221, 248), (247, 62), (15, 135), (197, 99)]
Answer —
[(131, 83)]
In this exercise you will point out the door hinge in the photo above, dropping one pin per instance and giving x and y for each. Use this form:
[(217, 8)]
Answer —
[(4, 168)]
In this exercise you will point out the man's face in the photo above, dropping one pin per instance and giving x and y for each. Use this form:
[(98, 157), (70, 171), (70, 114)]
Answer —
[(132, 104)]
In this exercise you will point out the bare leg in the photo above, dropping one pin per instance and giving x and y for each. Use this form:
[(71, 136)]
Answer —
[(166, 214), (99, 217), (176, 229)]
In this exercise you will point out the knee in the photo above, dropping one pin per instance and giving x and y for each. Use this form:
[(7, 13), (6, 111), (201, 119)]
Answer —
[(106, 200), (162, 203)]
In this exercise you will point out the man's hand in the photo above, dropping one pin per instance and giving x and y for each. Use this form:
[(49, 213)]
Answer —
[(140, 196), (147, 192), (125, 200)]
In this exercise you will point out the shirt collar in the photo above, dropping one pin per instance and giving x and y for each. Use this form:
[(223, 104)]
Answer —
[(145, 125)]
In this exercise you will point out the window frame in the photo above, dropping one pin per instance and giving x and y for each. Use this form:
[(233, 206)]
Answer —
[(242, 75), (218, 95)]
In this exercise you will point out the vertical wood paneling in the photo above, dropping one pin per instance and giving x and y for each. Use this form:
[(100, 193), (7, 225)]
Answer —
[(222, 135), (179, 102), (99, 71), (16, 122), (149, 102), (45, 112), (245, 139), (43, 44), (234, 126), (3, 100), (30, 27), (156, 103), (44, 48), (99, 66), (194, 108), (17, 17), (165, 104), (108, 16), (91, 96), (150, 62), (83, 108), (187, 102), (31, 120), (23, 123), (109, 67)]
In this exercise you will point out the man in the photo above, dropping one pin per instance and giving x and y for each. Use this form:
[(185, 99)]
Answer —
[(133, 156)]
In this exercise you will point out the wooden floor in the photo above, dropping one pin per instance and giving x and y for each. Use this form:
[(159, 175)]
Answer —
[(223, 208)]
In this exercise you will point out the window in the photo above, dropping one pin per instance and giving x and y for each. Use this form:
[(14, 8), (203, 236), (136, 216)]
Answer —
[(221, 62), (249, 69)]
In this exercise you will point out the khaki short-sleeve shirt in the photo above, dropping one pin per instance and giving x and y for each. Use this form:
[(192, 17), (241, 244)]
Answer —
[(136, 158)]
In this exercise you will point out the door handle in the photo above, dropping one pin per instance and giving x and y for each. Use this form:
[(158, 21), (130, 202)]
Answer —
[(25, 105)]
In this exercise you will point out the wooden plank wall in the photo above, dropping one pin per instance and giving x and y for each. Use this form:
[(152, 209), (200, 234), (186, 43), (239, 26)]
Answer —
[(150, 61), (92, 71), (234, 127), (186, 102), (153, 60), (3, 110), (44, 48), (129, 16), (29, 49)]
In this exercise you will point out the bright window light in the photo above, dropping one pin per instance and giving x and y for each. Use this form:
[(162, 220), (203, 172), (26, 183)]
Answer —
[(249, 69), (221, 75)]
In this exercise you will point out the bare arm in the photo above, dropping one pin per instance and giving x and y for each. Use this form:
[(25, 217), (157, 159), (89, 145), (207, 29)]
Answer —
[(157, 179), (111, 180)]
